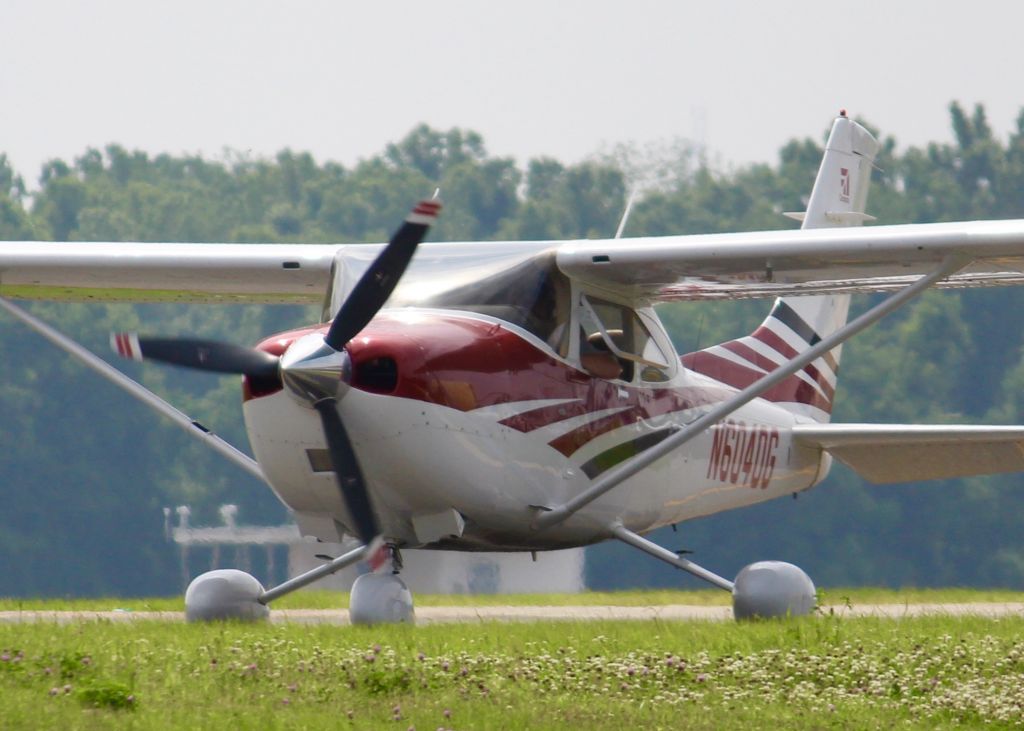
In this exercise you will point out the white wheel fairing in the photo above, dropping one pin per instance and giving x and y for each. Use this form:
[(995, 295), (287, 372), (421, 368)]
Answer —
[(380, 599), (224, 594), (773, 589)]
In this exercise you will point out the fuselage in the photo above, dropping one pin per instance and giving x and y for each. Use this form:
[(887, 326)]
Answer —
[(467, 416)]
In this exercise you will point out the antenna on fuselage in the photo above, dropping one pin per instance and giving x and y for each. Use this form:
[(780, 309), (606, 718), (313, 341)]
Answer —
[(625, 214)]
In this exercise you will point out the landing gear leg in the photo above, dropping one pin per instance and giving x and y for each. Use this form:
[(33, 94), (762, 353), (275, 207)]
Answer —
[(382, 598), (396, 560), (764, 589)]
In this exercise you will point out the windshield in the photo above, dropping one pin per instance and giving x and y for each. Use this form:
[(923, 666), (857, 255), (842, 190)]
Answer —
[(533, 295)]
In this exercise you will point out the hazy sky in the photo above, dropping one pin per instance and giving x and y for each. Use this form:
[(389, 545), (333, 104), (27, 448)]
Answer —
[(535, 77)]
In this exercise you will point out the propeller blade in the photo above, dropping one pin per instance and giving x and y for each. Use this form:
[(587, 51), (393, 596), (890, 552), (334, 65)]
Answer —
[(347, 472), (204, 355), (379, 281)]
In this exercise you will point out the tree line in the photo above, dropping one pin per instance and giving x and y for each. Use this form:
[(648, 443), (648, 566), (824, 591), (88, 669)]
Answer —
[(85, 470)]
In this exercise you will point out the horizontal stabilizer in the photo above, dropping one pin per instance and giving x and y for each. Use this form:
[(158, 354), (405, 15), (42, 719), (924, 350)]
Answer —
[(848, 218), (844, 218), (884, 453)]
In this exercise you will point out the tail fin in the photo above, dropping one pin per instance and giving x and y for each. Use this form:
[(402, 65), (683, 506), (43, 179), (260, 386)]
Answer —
[(839, 198)]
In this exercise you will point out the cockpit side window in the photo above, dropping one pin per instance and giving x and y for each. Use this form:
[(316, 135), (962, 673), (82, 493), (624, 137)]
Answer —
[(611, 328)]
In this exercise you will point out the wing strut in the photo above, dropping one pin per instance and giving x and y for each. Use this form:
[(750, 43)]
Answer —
[(193, 427), (614, 477)]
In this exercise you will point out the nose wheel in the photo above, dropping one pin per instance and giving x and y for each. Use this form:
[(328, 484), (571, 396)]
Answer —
[(382, 598)]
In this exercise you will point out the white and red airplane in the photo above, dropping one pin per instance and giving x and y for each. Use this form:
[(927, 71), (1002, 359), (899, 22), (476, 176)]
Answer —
[(524, 396)]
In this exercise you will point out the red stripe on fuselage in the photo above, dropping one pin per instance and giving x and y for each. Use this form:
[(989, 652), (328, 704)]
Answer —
[(465, 363), (792, 390), (774, 340), (748, 353), (661, 402), (545, 416), (770, 337)]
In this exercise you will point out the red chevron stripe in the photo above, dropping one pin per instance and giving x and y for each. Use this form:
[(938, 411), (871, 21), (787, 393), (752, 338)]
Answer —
[(829, 359), (748, 353), (570, 442), (663, 402), (770, 338), (792, 390), (544, 416)]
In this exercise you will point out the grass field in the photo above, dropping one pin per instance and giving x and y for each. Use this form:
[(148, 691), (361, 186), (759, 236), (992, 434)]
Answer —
[(321, 599), (817, 672)]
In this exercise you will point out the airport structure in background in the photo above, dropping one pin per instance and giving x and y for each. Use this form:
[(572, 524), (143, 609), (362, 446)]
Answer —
[(231, 545)]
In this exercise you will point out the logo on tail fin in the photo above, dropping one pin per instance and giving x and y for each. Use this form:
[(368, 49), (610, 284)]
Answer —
[(844, 185)]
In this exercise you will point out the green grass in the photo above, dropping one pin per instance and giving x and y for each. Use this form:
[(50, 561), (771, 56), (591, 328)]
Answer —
[(322, 599), (818, 672)]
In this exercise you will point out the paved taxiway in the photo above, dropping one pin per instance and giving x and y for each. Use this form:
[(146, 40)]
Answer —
[(451, 615)]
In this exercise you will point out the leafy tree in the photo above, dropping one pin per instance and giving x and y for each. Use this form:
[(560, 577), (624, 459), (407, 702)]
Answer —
[(431, 151), (14, 221), (580, 201)]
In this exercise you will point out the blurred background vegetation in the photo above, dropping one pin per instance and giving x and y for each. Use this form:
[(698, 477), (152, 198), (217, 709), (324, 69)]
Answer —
[(85, 471)]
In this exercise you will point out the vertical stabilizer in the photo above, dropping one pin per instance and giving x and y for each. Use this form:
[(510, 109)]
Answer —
[(840, 193), (839, 198)]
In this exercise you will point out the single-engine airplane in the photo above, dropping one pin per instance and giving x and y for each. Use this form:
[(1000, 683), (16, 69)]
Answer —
[(524, 396)]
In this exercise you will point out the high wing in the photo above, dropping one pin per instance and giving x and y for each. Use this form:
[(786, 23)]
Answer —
[(908, 453), (698, 267), (141, 272), (258, 273), (809, 261)]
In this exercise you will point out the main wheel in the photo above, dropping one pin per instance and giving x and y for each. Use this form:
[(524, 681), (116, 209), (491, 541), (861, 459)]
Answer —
[(380, 599), (224, 594), (772, 589)]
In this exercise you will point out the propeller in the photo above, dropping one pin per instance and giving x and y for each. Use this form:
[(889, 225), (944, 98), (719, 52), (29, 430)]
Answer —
[(314, 367), (347, 471), (206, 355)]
